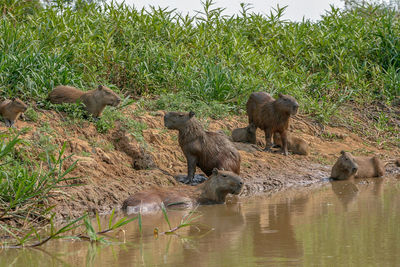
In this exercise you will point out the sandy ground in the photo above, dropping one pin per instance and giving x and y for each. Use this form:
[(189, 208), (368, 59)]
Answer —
[(113, 166)]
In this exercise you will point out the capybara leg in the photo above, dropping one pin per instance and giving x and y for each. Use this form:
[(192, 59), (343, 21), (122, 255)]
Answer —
[(191, 162), (7, 122), (268, 141), (284, 143)]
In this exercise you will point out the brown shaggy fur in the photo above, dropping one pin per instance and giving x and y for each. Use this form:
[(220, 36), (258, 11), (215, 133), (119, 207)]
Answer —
[(213, 191), (295, 144), (271, 115), (347, 166), (245, 135), (207, 150), (11, 110), (95, 100)]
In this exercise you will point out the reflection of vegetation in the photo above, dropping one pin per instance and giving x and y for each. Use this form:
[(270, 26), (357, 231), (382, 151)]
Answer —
[(363, 234)]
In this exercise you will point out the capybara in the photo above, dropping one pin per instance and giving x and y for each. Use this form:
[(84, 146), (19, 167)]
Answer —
[(271, 115), (348, 166), (245, 135), (207, 150), (212, 191), (11, 110), (94, 100), (294, 144)]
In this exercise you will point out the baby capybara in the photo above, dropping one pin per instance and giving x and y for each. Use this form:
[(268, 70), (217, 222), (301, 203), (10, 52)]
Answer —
[(207, 150), (245, 135), (271, 115), (295, 144), (212, 191), (11, 110), (348, 166)]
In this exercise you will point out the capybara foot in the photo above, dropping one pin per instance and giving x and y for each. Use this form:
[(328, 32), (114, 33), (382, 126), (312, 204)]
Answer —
[(268, 149), (197, 179)]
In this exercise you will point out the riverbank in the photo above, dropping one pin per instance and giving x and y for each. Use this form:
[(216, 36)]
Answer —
[(113, 165)]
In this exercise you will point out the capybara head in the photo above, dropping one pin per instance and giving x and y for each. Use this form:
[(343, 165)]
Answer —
[(219, 185), (17, 105), (251, 128), (107, 96), (177, 120), (287, 104), (345, 166)]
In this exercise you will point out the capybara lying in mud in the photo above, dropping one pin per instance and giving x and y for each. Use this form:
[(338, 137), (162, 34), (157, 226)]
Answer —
[(245, 135), (271, 115), (11, 110), (294, 144), (94, 100), (207, 150), (348, 166), (212, 191)]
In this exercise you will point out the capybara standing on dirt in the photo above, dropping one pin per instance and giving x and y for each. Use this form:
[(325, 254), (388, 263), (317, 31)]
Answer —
[(245, 135), (95, 100), (271, 115), (11, 110), (348, 166), (294, 144), (207, 150), (212, 191)]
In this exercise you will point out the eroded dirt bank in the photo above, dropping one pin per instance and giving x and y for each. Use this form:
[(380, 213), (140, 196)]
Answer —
[(114, 165)]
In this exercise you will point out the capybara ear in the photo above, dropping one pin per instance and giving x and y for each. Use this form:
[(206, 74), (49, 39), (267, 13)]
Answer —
[(191, 114), (100, 87), (215, 171), (280, 95), (342, 152)]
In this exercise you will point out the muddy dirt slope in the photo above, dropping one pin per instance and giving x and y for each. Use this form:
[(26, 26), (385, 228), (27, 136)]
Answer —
[(114, 165)]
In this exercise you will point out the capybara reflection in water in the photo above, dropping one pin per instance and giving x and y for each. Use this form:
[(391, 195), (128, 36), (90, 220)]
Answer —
[(212, 191), (271, 115), (245, 135), (207, 150), (294, 144), (348, 166), (94, 100), (11, 110)]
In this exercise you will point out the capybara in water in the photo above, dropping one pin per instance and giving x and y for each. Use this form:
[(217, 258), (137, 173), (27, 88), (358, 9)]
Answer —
[(11, 110), (348, 166), (245, 135), (271, 115), (294, 144), (94, 100), (212, 191), (207, 150)]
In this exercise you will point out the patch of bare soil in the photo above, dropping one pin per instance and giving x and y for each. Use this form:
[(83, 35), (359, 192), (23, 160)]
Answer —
[(113, 166)]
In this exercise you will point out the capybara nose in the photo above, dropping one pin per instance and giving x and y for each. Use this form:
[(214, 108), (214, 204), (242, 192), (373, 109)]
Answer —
[(354, 170), (241, 183)]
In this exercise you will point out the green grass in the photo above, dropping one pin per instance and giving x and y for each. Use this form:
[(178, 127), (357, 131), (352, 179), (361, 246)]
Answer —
[(209, 61)]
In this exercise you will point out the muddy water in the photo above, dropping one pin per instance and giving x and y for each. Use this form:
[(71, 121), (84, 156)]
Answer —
[(334, 224)]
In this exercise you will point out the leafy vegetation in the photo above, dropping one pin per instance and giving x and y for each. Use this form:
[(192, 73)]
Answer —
[(209, 60)]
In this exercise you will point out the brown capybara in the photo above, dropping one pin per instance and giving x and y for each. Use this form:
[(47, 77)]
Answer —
[(94, 100), (11, 110), (212, 191), (348, 166), (271, 115), (294, 144), (207, 150), (245, 135)]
